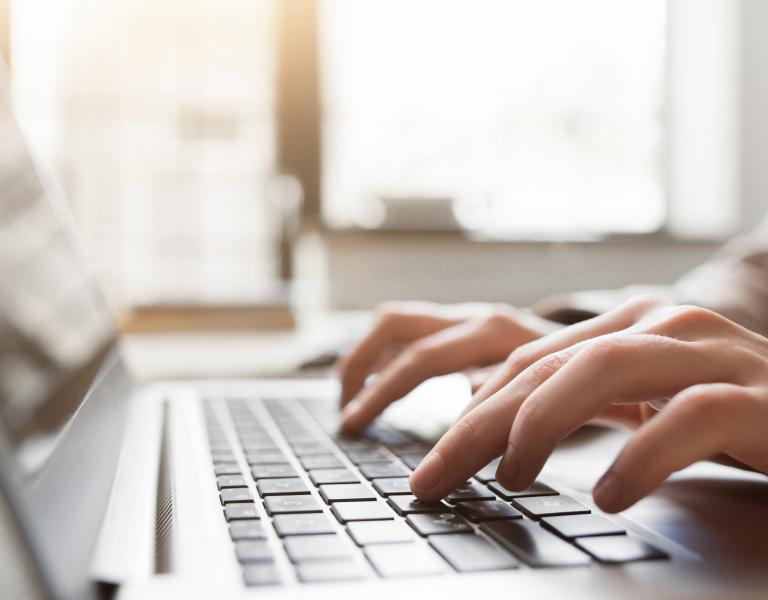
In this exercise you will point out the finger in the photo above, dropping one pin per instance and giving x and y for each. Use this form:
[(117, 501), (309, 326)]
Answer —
[(615, 368), (456, 348), (391, 328), (695, 425), (615, 320), (480, 435)]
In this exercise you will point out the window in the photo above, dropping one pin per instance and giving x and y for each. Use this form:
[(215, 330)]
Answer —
[(536, 118), (159, 119)]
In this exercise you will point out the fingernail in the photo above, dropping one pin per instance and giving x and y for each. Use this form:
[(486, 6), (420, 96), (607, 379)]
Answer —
[(427, 474), (348, 413), (508, 466), (608, 492)]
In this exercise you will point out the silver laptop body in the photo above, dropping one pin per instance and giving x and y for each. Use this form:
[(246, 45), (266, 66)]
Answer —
[(241, 488)]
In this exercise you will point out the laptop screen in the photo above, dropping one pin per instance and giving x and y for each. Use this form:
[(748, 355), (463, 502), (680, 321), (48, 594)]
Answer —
[(54, 327)]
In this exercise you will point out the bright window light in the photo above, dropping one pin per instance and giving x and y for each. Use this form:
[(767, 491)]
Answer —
[(535, 118)]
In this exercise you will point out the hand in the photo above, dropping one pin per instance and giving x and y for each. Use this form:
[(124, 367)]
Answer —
[(713, 371), (413, 341)]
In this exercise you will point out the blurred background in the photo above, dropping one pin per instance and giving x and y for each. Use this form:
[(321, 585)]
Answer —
[(444, 150)]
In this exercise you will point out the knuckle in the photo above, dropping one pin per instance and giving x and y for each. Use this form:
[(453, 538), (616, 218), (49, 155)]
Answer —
[(695, 316), (421, 352), (547, 366), (642, 304), (468, 428), (520, 358), (604, 352), (701, 404)]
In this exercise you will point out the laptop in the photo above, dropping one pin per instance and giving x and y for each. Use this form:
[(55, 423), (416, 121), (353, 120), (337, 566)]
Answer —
[(245, 488)]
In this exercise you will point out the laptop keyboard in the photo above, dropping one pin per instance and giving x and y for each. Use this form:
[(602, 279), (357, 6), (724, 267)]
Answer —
[(342, 509)]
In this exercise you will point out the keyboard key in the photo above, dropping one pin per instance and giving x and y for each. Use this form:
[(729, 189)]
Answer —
[(573, 526), (265, 457), (534, 545), (309, 448), (226, 469), (292, 504), (256, 446), (281, 487), (467, 552), (329, 570), (260, 574), (272, 471), (302, 524), (357, 444), (438, 523), (220, 445), (253, 551), (413, 459), (376, 470), (379, 532), (320, 476), (369, 455), (470, 491), (396, 485), (398, 560), (408, 505), (616, 549), (220, 456), (302, 548), (487, 510), (549, 506), (321, 461), (227, 496), (362, 511), (488, 472), (537, 489), (244, 510), (246, 530), (345, 492)]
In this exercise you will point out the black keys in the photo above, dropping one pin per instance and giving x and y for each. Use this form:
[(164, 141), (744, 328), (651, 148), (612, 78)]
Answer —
[(537, 489), (260, 574), (302, 524), (222, 456), (376, 470), (488, 472), (573, 526), (246, 530), (471, 490), (228, 481), (534, 545), (413, 459), (397, 560), (320, 476), (408, 505), (345, 492), (292, 504), (239, 511), (253, 551), (273, 471), (549, 506), (615, 549), (362, 511), (302, 548), (329, 570), (309, 448), (265, 457), (280, 487), (227, 496), (321, 461), (438, 523), (487, 510), (379, 532), (469, 552), (226, 469), (395, 485), (369, 455)]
